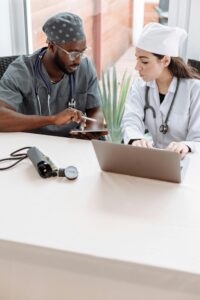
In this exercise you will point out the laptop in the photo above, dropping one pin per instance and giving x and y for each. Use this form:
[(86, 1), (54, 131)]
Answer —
[(137, 161)]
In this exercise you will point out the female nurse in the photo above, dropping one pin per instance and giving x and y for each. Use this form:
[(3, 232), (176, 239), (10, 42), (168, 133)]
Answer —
[(165, 100)]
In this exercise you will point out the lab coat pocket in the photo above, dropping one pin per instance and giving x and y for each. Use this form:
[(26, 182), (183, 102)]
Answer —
[(81, 99)]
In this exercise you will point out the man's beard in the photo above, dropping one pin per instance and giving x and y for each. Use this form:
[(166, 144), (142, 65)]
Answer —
[(59, 64)]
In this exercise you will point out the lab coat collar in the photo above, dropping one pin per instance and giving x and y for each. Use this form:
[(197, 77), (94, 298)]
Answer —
[(173, 84), (172, 87), (164, 105)]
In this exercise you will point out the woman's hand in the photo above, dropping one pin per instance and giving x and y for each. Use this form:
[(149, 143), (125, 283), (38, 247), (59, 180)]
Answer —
[(143, 143), (178, 147)]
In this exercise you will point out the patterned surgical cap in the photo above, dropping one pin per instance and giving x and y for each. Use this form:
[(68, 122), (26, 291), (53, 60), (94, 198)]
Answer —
[(63, 28)]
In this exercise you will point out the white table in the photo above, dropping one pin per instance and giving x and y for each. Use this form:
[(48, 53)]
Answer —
[(102, 237)]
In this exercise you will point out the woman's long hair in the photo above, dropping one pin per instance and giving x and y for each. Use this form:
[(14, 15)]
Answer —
[(179, 68)]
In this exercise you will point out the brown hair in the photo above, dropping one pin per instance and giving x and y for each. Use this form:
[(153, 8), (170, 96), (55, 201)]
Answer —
[(179, 68)]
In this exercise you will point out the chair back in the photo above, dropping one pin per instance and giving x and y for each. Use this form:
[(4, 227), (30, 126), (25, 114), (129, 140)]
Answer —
[(4, 63), (195, 64)]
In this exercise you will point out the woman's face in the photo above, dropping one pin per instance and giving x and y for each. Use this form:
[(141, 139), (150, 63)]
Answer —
[(149, 66)]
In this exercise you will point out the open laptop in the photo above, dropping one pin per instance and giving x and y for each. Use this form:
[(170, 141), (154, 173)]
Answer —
[(137, 161)]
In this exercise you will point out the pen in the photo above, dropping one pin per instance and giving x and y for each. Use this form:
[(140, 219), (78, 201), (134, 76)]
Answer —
[(89, 119)]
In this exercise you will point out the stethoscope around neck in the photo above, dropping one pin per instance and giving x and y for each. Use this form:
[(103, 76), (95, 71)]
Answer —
[(38, 71), (164, 126)]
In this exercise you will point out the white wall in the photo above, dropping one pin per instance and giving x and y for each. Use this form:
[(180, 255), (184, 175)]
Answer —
[(5, 29), (12, 24), (185, 14), (18, 28), (138, 19), (193, 47)]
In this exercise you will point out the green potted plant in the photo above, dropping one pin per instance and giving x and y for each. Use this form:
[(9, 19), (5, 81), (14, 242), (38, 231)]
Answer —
[(113, 95)]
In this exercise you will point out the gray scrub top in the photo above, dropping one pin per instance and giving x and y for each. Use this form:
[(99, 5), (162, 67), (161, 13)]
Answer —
[(20, 82)]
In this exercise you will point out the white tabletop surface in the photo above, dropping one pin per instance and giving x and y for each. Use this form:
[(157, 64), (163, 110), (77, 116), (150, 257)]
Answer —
[(105, 215)]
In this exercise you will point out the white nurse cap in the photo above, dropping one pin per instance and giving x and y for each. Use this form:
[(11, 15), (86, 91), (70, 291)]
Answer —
[(161, 39)]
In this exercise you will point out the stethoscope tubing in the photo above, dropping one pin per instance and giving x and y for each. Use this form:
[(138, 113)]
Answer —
[(164, 126), (38, 71)]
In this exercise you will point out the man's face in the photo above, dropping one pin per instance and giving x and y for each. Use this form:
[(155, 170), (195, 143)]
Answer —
[(67, 57)]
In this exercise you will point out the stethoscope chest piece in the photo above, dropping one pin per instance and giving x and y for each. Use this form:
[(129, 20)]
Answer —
[(163, 128)]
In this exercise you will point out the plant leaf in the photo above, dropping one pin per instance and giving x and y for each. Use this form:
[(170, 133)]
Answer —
[(113, 101)]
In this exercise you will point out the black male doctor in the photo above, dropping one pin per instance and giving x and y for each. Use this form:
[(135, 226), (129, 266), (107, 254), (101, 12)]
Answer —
[(165, 100), (49, 91)]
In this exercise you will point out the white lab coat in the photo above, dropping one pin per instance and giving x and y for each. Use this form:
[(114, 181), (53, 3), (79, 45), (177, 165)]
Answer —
[(184, 119)]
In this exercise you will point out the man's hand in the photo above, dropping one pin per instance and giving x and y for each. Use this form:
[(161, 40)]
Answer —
[(143, 143), (178, 147), (68, 115)]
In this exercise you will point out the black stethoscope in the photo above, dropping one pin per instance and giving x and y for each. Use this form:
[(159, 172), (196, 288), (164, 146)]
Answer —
[(38, 71), (163, 127)]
